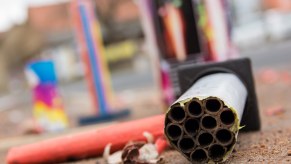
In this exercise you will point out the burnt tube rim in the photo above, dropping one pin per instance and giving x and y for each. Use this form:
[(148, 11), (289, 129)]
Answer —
[(177, 114), (210, 125), (212, 105), (218, 157), (228, 117), (198, 139), (199, 161), (169, 135), (188, 149), (222, 142), (195, 104), (185, 126)]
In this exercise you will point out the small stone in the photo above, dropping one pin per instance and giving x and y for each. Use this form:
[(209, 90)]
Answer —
[(272, 111), (281, 143), (263, 146), (254, 146), (269, 76)]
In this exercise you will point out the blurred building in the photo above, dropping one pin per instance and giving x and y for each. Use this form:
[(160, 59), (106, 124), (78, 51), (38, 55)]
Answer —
[(48, 33), (121, 29), (119, 19), (54, 23), (261, 21), (282, 5), (121, 10), (49, 19)]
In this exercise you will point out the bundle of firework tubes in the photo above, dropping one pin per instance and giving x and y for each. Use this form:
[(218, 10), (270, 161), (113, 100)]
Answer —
[(203, 123)]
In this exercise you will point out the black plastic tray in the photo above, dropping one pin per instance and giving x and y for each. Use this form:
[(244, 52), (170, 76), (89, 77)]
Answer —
[(189, 73)]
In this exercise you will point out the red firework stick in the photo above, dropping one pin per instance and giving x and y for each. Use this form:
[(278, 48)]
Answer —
[(161, 144), (88, 144)]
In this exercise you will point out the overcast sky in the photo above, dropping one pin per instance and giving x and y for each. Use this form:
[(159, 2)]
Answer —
[(15, 11)]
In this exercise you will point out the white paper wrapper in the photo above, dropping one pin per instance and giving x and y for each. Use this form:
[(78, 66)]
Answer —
[(230, 90)]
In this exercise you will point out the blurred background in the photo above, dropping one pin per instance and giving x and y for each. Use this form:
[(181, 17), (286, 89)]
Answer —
[(132, 38)]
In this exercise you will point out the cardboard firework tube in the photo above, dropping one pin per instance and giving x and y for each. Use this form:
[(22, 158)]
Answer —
[(227, 117), (87, 144), (204, 139), (174, 131), (177, 114), (212, 105), (194, 108), (186, 144), (224, 137), (208, 122), (216, 152), (223, 97), (199, 156), (191, 126)]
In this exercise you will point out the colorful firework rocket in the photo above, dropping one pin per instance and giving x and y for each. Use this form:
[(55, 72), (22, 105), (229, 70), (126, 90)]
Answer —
[(176, 30), (91, 48), (48, 107), (214, 21), (159, 66), (174, 24)]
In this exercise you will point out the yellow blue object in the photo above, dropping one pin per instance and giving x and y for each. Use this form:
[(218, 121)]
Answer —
[(48, 106)]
